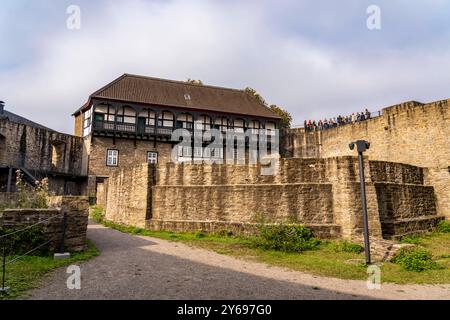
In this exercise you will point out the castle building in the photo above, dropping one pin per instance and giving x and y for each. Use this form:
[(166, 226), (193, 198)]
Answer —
[(131, 121)]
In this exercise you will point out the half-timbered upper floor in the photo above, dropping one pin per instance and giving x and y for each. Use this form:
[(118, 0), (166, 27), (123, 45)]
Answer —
[(150, 108)]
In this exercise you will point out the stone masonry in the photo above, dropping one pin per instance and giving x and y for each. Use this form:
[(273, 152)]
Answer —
[(411, 133), (77, 209), (321, 193)]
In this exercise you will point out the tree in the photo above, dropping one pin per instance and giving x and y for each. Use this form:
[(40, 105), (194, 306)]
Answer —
[(286, 118), (255, 95), (196, 82)]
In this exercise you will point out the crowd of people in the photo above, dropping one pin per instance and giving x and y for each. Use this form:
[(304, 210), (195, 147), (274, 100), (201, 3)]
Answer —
[(336, 121)]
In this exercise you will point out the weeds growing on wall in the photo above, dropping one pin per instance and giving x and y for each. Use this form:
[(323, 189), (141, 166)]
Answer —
[(286, 238), (31, 197)]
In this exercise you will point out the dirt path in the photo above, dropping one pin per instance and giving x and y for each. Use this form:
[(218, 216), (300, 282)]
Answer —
[(133, 267)]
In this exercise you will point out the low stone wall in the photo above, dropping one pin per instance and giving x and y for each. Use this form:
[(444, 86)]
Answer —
[(77, 209), (323, 231)]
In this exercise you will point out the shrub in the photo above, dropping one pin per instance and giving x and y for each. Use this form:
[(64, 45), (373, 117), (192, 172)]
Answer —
[(444, 226), (199, 234), (415, 259), (97, 214), (345, 246), (287, 238), (24, 241)]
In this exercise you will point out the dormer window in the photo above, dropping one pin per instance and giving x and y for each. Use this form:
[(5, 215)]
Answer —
[(187, 97)]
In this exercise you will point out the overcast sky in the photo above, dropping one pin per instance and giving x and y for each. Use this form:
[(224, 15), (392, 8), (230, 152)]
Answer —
[(314, 58)]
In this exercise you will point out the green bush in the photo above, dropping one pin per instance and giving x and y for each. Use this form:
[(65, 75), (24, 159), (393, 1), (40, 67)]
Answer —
[(286, 238), (97, 214), (415, 259), (22, 242), (199, 234), (443, 226), (345, 246)]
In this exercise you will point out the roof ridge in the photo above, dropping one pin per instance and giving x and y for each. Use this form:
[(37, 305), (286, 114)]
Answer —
[(183, 82)]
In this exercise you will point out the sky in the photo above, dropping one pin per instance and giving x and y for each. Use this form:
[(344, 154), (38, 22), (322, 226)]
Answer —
[(314, 58)]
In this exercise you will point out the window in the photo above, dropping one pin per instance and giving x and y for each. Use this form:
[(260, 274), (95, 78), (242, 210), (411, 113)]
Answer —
[(198, 152), (203, 123), (166, 119), (87, 121), (217, 153), (112, 158), (185, 121), (152, 157), (221, 124), (126, 115), (239, 125)]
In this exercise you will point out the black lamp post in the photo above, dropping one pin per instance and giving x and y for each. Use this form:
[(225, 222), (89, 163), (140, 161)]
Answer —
[(361, 146)]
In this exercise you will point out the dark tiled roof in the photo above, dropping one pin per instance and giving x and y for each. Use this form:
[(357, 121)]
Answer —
[(21, 120), (146, 90)]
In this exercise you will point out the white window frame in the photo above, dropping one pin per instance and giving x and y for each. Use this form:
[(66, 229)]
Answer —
[(152, 157), (112, 158)]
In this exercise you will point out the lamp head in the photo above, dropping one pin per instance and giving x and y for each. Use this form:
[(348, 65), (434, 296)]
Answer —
[(351, 146)]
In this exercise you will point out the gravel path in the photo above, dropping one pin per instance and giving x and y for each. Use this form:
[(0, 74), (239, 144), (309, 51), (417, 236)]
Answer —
[(134, 267)]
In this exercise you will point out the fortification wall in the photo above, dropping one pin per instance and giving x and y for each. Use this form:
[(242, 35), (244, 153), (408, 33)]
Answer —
[(321, 193), (410, 133), (31, 147), (129, 195)]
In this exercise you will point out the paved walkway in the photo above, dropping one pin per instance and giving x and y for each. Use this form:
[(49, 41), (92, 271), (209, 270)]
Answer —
[(134, 267)]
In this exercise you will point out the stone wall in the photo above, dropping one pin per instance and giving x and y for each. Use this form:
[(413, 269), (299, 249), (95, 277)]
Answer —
[(129, 196), (410, 133), (44, 153), (131, 153), (31, 147), (77, 209), (321, 193)]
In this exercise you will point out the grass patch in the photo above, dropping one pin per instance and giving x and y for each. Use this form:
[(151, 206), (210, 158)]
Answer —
[(25, 274), (444, 226), (329, 258)]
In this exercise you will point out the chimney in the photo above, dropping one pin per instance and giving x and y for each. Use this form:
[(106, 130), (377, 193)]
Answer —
[(2, 107)]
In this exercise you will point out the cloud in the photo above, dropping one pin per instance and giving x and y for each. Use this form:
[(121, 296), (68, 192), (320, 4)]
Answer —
[(312, 67)]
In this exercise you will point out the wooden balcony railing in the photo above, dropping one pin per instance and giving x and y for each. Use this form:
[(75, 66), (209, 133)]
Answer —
[(111, 126)]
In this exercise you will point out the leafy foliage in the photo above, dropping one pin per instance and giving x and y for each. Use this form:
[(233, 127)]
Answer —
[(415, 259), (286, 238), (345, 246), (30, 197), (286, 118), (444, 226), (26, 240)]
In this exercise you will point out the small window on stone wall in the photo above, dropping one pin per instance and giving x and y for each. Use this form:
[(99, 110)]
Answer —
[(152, 157), (112, 158), (58, 155)]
